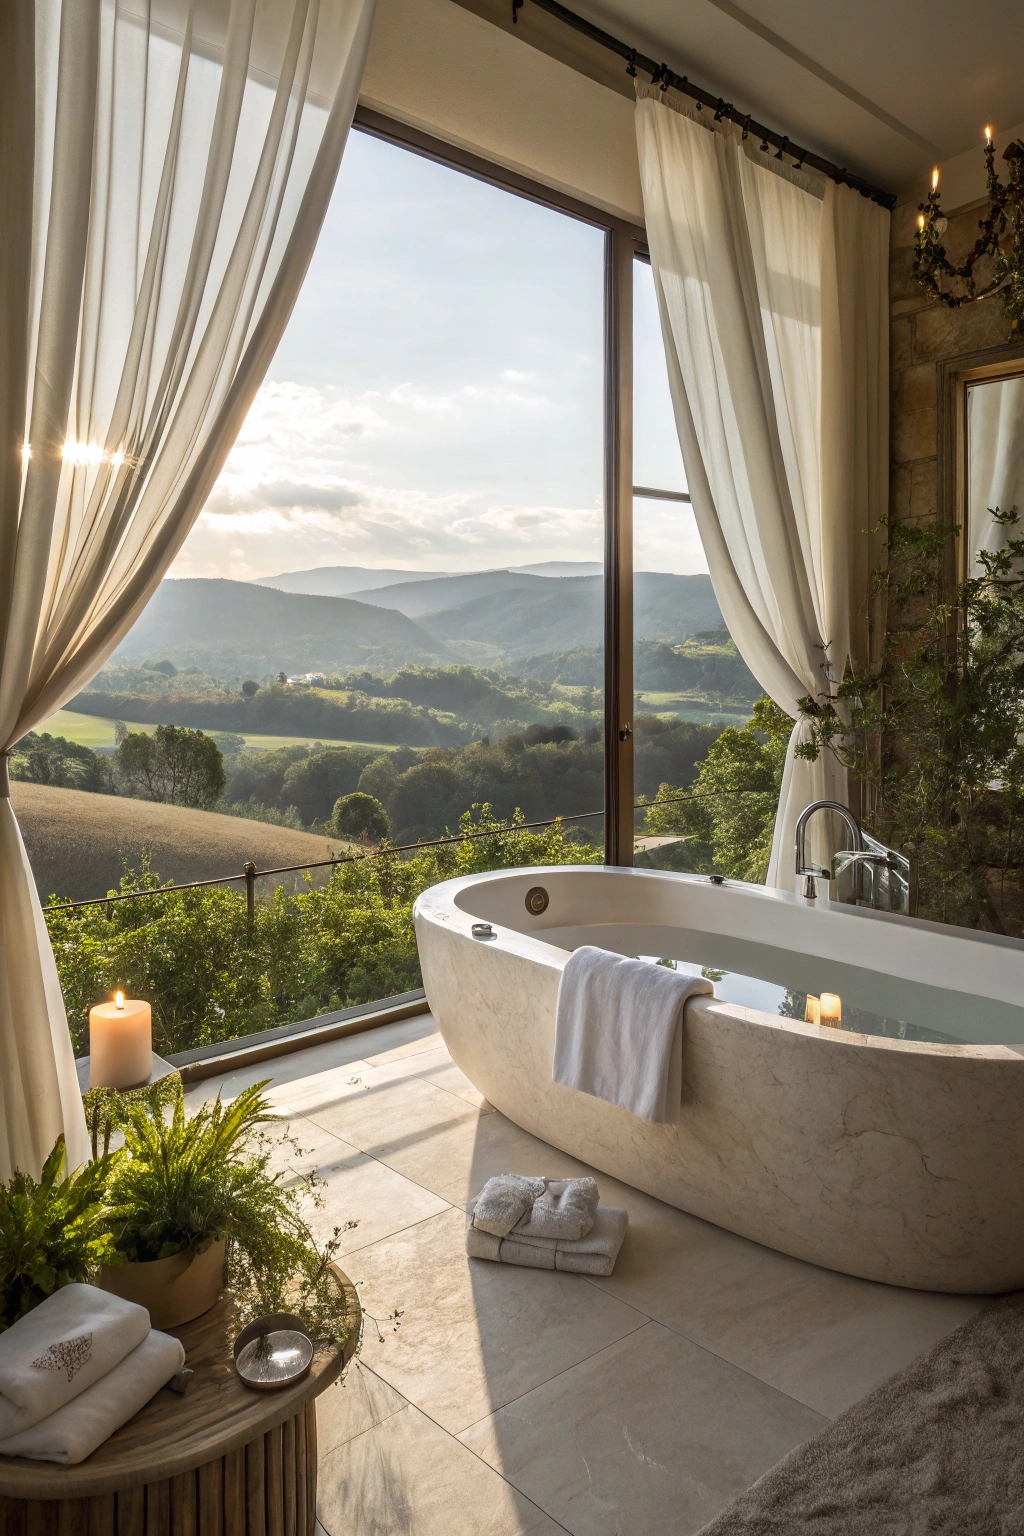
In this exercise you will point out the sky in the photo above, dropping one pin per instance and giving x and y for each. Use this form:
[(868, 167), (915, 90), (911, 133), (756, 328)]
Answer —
[(436, 401)]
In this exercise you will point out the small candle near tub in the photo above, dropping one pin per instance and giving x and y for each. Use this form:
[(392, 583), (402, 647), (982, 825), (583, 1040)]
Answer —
[(120, 1043), (831, 1010), (826, 1009)]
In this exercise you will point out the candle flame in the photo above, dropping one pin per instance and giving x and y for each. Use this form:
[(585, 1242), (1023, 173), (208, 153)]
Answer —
[(920, 221), (119, 1000), (935, 178), (988, 134)]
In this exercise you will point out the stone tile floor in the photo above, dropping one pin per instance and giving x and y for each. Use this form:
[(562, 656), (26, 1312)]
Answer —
[(521, 1401)]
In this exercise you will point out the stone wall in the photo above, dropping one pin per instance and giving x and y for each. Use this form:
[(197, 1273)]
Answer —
[(923, 334)]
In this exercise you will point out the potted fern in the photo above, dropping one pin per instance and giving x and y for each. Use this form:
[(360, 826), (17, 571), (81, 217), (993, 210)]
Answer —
[(52, 1232), (193, 1205)]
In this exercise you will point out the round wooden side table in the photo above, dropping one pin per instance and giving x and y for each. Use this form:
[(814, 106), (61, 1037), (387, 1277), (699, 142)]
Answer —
[(221, 1460)]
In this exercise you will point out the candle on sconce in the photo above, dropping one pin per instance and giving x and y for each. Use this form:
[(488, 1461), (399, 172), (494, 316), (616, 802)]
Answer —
[(120, 1043), (935, 178), (831, 1010), (812, 1010), (988, 134)]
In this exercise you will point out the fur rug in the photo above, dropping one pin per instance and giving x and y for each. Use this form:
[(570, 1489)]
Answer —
[(937, 1450)]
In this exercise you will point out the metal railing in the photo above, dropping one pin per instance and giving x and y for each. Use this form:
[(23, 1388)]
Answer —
[(250, 874)]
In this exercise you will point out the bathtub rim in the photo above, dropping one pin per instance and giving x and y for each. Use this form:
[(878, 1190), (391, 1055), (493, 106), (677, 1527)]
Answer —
[(439, 906)]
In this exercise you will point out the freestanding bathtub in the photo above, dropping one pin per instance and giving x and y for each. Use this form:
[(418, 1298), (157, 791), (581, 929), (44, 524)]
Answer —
[(896, 1155)]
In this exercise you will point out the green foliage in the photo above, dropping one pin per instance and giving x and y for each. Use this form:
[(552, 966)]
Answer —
[(732, 817), (45, 759), (250, 688), (255, 810), (314, 783), (182, 1182), (52, 1233), (357, 815), (935, 730), (174, 766), (212, 977)]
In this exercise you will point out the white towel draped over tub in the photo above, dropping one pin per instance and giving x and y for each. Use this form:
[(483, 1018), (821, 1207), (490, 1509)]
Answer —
[(618, 1031), (60, 1349)]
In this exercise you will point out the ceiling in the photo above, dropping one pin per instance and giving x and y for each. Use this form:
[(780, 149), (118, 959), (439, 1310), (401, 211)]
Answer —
[(884, 87)]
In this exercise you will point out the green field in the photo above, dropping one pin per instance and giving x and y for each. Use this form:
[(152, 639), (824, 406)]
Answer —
[(671, 707), (95, 731)]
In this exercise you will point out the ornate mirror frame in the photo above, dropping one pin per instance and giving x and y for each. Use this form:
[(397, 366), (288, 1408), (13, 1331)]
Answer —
[(955, 376)]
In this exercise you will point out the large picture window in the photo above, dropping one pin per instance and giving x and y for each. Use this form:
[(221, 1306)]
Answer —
[(389, 623)]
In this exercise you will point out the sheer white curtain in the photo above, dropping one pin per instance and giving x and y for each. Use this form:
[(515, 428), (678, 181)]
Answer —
[(165, 166), (772, 287), (995, 462)]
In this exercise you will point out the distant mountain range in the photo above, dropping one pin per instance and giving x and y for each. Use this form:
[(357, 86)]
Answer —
[(231, 628), (343, 580), (496, 618), (339, 580)]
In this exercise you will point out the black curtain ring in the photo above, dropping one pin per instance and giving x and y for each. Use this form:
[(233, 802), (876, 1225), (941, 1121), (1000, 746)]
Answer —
[(782, 147), (746, 124), (631, 62), (764, 146), (517, 6)]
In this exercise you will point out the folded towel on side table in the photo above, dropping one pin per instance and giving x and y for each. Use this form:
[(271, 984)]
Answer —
[(75, 1430), (594, 1254), (618, 1031), (56, 1351)]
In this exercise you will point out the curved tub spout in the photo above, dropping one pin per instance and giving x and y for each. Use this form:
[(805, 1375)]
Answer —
[(813, 872)]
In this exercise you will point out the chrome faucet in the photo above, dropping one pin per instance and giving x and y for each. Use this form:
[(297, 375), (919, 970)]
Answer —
[(812, 873)]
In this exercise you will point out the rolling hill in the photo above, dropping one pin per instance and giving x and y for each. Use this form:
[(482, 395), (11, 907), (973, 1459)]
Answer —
[(78, 843), (232, 628), (416, 598), (545, 614)]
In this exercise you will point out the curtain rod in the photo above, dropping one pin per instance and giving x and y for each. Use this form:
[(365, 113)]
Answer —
[(661, 75)]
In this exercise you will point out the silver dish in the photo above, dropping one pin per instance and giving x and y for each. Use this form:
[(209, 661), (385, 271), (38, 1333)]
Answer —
[(274, 1351)]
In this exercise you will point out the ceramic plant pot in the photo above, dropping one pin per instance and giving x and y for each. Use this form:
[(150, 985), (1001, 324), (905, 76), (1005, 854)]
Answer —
[(173, 1290)]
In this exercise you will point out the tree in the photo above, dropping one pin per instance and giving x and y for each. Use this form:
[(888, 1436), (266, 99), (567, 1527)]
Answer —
[(45, 759), (935, 731), (314, 784), (357, 815), (250, 688), (736, 796), (175, 766)]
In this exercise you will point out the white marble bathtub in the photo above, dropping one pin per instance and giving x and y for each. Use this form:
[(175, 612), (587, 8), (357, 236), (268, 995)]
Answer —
[(900, 1160)]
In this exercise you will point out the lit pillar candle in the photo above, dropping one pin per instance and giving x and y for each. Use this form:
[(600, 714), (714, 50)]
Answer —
[(831, 1010), (120, 1043), (812, 1010)]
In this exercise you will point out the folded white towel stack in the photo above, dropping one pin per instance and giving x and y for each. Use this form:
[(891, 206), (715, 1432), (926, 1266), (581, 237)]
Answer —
[(594, 1254), (505, 1200), (75, 1430), (539, 1207), (618, 1031), (59, 1349)]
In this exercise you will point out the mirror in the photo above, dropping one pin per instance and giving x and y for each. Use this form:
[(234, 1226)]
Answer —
[(994, 440)]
